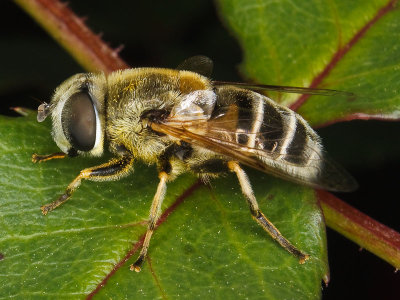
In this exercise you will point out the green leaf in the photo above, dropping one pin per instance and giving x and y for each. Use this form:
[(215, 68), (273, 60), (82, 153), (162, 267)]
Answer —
[(208, 247), (342, 45)]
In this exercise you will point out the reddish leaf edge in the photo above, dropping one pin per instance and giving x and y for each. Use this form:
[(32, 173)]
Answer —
[(360, 116), (340, 53), (136, 246), (377, 238)]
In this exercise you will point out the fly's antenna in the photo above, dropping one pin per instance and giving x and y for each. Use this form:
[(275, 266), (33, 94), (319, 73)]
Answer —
[(37, 99)]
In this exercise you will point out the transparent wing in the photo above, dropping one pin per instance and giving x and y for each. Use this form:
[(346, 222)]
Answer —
[(304, 163), (286, 89), (204, 65), (194, 106)]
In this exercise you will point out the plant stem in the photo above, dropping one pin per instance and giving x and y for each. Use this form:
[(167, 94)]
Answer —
[(360, 228), (70, 31)]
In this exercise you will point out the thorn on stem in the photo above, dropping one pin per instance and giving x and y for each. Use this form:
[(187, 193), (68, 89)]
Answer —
[(119, 49)]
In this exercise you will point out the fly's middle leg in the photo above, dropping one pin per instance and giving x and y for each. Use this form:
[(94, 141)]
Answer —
[(153, 218)]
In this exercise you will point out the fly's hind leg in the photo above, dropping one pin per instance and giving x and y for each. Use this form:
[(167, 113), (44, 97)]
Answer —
[(154, 215), (259, 216), (112, 170)]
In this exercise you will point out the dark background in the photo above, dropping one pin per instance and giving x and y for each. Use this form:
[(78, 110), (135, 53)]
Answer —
[(159, 34)]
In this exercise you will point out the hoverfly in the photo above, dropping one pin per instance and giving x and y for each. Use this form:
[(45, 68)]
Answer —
[(182, 121)]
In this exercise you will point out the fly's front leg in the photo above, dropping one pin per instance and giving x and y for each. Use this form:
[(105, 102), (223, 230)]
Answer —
[(259, 216), (154, 215), (37, 158), (112, 170)]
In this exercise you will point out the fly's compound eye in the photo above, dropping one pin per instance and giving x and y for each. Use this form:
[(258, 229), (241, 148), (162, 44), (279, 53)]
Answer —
[(79, 121)]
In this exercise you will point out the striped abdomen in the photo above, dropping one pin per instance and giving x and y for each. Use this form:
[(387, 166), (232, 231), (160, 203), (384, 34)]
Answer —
[(264, 125), (277, 136)]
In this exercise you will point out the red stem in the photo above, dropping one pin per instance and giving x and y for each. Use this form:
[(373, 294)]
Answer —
[(70, 31), (360, 228)]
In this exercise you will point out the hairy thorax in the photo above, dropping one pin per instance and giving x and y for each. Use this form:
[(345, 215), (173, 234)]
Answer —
[(135, 93)]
